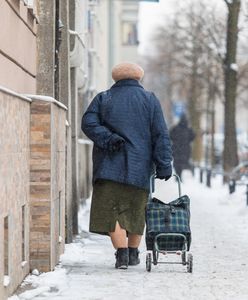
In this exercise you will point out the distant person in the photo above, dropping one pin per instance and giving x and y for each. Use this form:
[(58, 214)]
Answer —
[(181, 136), (130, 137)]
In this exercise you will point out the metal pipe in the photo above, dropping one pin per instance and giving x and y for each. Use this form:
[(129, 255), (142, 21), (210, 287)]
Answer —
[(75, 33)]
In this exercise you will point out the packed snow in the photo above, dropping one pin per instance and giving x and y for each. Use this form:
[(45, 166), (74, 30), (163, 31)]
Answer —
[(219, 224), (6, 280)]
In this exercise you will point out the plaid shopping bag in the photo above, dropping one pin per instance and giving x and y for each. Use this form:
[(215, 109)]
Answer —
[(173, 217)]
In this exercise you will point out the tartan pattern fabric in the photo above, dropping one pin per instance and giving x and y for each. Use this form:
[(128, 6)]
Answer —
[(173, 217), (167, 243)]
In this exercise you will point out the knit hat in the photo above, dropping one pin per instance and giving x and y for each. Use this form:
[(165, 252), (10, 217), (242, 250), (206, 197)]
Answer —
[(127, 70)]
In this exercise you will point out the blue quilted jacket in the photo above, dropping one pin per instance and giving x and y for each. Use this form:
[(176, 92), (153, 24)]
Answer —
[(127, 110)]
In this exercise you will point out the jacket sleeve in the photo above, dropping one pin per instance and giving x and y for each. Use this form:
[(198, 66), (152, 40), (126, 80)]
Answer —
[(191, 135), (161, 145), (92, 126)]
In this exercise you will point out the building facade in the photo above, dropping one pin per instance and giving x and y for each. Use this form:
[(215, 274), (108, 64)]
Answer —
[(32, 156), (55, 56), (17, 77)]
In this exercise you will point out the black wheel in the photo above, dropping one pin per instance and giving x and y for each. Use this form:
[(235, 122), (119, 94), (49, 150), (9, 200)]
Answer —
[(148, 262), (184, 258), (190, 263), (155, 257)]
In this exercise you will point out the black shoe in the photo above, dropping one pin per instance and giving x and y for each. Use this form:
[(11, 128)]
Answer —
[(121, 258), (133, 256)]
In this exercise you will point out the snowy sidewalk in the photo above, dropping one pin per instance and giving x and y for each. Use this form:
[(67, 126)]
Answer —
[(219, 244)]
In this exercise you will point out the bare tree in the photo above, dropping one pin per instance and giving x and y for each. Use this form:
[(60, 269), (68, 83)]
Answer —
[(230, 156), (191, 51), (184, 56)]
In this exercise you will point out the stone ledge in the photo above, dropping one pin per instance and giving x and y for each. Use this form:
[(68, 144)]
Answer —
[(47, 99), (12, 93)]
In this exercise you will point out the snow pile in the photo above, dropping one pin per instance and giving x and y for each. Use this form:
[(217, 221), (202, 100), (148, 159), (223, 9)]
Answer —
[(44, 284), (35, 272), (83, 216), (73, 254), (33, 293), (14, 298)]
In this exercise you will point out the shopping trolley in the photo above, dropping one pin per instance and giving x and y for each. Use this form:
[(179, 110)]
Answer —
[(168, 229)]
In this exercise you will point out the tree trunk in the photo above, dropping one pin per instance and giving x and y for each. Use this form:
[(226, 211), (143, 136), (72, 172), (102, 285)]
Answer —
[(213, 161), (195, 114), (230, 157)]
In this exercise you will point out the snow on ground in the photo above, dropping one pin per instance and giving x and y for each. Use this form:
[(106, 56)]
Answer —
[(219, 244)]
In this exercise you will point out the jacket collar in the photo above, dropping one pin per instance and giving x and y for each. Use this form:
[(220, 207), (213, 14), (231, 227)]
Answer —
[(127, 82)]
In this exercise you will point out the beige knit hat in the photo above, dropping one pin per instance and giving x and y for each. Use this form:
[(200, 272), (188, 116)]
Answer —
[(127, 70)]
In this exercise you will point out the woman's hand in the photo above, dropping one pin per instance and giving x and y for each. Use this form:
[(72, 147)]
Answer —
[(115, 143)]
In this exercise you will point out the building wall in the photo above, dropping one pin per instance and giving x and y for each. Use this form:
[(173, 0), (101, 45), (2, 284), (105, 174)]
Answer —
[(123, 21), (40, 185), (36, 173), (14, 186), (100, 45), (17, 76), (65, 98), (129, 31), (17, 47), (47, 182), (58, 141), (114, 47), (102, 21)]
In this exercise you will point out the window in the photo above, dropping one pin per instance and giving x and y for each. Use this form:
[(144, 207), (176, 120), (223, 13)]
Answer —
[(60, 213), (23, 233), (6, 246), (129, 34)]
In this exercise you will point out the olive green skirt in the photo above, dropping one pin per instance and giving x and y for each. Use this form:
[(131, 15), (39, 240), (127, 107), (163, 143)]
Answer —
[(116, 202)]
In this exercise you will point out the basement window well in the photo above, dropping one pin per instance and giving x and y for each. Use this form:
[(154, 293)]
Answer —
[(6, 252), (24, 262)]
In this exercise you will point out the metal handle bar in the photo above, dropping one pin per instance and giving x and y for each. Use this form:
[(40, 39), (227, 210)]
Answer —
[(152, 179)]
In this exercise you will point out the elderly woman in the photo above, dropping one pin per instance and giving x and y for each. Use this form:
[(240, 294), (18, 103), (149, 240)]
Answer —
[(131, 141)]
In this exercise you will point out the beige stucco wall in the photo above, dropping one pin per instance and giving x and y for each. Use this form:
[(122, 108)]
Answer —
[(101, 44), (14, 185), (17, 47)]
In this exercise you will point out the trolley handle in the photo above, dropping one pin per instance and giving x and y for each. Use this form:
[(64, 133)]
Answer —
[(152, 180)]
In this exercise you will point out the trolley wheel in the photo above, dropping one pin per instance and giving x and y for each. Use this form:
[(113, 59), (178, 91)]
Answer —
[(148, 262), (190, 263), (184, 258), (155, 257)]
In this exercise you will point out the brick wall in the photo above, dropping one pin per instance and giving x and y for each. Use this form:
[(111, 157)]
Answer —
[(40, 184), (58, 137), (47, 183)]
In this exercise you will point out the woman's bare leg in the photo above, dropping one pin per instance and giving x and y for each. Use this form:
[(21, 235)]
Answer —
[(134, 240), (119, 237)]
